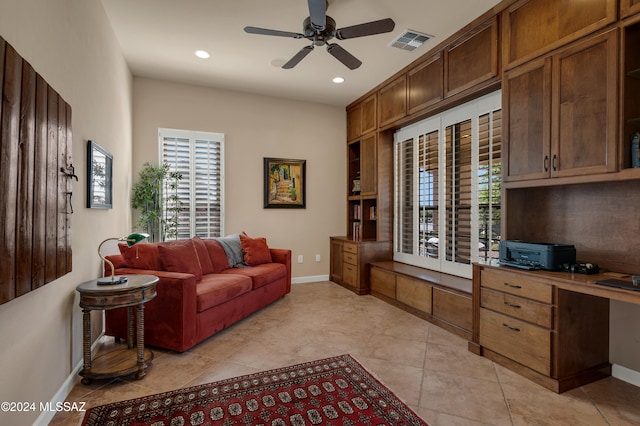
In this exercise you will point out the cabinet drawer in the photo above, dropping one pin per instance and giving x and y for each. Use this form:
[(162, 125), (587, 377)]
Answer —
[(414, 293), (350, 274), (351, 258), (453, 308), (518, 307), (517, 284), (350, 248), (383, 282), (524, 343)]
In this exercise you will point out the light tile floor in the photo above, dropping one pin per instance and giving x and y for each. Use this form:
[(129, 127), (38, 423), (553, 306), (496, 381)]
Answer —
[(427, 367)]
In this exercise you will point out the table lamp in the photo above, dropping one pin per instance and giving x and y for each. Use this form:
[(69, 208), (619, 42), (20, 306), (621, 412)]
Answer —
[(131, 240)]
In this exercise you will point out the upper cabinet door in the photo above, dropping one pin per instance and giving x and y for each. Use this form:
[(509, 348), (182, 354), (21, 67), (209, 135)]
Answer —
[(472, 59), (584, 107), (368, 165), (425, 85), (368, 110), (354, 122), (629, 7), (392, 101), (534, 27), (526, 100)]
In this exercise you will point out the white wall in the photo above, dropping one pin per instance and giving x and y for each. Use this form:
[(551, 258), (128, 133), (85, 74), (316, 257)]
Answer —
[(256, 127), (71, 44)]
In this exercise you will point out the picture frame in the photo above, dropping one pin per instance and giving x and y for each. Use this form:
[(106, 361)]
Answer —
[(284, 183), (99, 177)]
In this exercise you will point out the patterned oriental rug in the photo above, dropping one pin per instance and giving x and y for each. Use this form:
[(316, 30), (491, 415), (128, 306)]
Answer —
[(332, 391)]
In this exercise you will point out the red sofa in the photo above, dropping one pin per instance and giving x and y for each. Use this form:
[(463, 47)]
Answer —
[(200, 292)]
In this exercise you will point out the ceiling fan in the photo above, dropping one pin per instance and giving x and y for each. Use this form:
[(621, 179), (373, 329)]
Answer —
[(320, 28)]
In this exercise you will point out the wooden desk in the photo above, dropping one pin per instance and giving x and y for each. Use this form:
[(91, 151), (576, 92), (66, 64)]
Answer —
[(552, 327), (138, 290)]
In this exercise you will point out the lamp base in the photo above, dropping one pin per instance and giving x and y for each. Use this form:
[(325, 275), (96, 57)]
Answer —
[(118, 279)]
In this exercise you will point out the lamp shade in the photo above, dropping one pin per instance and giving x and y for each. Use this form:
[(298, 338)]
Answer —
[(131, 240)]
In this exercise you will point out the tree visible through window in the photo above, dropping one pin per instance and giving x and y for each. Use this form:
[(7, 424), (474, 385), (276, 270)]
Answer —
[(199, 157)]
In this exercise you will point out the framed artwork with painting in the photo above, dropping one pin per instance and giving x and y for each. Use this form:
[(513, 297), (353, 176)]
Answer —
[(284, 183)]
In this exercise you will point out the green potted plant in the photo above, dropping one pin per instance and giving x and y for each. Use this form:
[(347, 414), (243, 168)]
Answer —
[(155, 195)]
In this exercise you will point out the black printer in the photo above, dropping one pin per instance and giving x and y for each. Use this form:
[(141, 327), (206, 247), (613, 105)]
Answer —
[(528, 255)]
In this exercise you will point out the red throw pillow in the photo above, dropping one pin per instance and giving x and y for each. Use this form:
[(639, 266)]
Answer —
[(217, 256), (255, 250), (203, 256), (141, 256), (180, 256)]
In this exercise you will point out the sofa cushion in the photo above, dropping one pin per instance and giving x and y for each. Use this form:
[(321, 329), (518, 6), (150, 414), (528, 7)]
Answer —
[(217, 256), (141, 256), (180, 256), (255, 250), (261, 275), (203, 256), (215, 289)]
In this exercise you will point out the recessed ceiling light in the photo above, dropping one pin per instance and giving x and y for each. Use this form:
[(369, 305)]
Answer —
[(338, 80), (202, 54)]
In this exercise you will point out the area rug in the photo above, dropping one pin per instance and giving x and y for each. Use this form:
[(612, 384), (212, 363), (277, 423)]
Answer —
[(331, 391)]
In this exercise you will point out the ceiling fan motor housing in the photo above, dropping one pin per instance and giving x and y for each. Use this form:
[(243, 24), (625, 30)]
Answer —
[(319, 38)]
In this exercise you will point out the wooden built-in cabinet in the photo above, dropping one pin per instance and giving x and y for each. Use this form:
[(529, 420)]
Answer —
[(442, 299), (425, 84), (629, 7), (561, 112), (392, 101), (361, 118), (472, 59), (350, 261), (523, 321), (531, 28), (630, 98)]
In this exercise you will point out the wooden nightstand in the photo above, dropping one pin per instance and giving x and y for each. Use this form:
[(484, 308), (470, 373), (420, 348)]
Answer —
[(138, 290)]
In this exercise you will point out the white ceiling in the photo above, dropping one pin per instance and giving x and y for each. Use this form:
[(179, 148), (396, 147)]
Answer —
[(159, 38)]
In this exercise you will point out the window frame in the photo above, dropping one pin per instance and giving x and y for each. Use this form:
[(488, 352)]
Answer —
[(472, 110), (194, 137)]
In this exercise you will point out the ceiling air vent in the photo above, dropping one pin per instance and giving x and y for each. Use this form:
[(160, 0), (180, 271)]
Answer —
[(410, 40)]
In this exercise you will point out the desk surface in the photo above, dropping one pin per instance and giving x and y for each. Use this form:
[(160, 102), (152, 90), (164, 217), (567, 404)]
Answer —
[(581, 283)]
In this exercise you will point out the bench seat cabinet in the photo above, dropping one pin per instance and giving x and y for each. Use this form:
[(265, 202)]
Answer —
[(438, 298), (557, 338), (350, 261)]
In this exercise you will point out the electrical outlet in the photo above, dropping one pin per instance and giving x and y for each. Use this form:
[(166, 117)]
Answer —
[(300, 258), (317, 258)]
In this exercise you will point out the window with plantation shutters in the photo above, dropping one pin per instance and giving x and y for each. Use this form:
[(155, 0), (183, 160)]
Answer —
[(447, 188), (199, 158)]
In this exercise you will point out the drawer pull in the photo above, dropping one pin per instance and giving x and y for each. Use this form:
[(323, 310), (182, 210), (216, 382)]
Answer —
[(511, 305), (510, 327), (512, 285)]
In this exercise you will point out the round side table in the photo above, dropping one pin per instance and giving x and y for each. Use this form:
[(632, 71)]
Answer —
[(138, 290)]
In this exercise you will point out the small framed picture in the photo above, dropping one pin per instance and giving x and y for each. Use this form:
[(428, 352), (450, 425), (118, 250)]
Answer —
[(284, 183)]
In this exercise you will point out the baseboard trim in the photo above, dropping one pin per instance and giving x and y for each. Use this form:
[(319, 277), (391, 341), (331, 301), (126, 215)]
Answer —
[(46, 416), (626, 374), (310, 279)]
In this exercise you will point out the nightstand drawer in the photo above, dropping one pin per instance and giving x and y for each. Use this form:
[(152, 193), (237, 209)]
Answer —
[(350, 274), (350, 248), (518, 307), (351, 258), (520, 341), (516, 284)]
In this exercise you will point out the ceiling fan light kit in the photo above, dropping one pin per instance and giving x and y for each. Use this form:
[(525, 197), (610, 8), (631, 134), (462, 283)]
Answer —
[(320, 29)]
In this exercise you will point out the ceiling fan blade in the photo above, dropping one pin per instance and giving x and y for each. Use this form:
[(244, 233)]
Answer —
[(298, 57), (265, 31), (343, 56), (369, 28), (318, 14)]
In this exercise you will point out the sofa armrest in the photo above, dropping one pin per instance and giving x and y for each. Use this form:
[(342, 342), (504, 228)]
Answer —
[(283, 256), (170, 318)]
